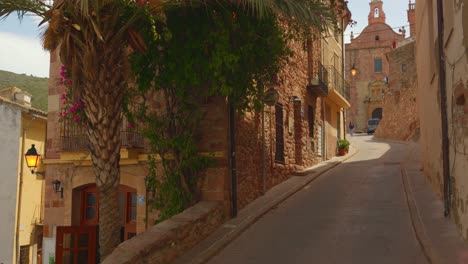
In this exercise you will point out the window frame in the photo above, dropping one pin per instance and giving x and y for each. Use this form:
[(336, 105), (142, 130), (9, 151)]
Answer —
[(375, 65), (311, 120), (129, 206), (279, 135)]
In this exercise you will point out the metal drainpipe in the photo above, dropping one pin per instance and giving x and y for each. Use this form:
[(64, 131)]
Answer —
[(232, 138), (20, 191), (263, 151), (324, 127), (443, 110), (343, 73)]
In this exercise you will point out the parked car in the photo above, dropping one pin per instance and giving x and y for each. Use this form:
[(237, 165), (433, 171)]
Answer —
[(372, 125)]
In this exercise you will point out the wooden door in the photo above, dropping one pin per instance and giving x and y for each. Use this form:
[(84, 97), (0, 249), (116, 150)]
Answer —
[(128, 211), (89, 206), (89, 212), (75, 245)]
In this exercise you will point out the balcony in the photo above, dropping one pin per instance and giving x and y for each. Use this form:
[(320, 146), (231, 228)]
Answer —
[(337, 82), (73, 135), (318, 84)]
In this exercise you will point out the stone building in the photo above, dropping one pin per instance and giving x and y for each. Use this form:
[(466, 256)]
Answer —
[(442, 95), (299, 130), (366, 54), (400, 120), (21, 191)]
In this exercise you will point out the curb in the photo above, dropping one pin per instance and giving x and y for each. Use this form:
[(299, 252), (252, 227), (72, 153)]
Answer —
[(238, 225), (416, 222)]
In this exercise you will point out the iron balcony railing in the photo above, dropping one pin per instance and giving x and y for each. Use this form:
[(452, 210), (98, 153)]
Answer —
[(318, 80), (73, 135), (337, 82)]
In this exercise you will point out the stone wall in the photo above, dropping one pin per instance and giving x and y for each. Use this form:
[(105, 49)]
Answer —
[(400, 114), (167, 240), (455, 44), (300, 149)]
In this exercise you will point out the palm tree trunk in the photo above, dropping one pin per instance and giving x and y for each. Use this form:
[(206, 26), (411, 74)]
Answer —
[(102, 96)]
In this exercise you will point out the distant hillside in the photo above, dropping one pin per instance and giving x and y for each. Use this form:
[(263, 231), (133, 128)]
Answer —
[(37, 86)]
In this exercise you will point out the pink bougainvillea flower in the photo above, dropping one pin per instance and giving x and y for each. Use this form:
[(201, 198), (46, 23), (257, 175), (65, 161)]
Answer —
[(67, 82), (141, 2)]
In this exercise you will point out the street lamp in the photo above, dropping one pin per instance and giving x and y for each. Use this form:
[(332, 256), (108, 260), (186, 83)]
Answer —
[(32, 159), (353, 70), (57, 188)]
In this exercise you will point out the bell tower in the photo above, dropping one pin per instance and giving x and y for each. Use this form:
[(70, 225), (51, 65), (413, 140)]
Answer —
[(376, 14), (412, 18)]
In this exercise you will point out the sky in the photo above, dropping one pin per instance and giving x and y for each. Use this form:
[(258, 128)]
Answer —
[(21, 50), (20, 47), (395, 12)]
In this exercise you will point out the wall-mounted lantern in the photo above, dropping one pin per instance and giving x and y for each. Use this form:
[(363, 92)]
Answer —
[(57, 188), (33, 159), (353, 70)]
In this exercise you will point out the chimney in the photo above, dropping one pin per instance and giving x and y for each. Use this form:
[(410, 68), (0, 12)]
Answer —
[(17, 95)]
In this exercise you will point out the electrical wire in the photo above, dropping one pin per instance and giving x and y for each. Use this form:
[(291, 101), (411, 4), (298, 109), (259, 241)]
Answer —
[(373, 31)]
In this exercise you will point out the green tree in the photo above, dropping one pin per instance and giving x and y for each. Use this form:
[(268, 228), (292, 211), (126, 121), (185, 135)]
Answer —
[(92, 37)]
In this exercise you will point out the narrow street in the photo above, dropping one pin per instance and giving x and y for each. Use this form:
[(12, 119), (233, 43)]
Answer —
[(355, 213)]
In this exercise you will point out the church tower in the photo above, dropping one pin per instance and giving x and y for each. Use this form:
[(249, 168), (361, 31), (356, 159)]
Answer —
[(376, 14), (412, 18)]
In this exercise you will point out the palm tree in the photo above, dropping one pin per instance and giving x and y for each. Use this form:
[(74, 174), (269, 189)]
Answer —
[(92, 37)]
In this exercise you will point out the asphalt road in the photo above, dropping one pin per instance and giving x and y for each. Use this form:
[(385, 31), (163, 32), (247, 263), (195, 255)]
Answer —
[(355, 213)]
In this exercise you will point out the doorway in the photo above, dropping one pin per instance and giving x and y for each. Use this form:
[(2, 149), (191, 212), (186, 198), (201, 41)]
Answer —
[(89, 204), (77, 243), (377, 113)]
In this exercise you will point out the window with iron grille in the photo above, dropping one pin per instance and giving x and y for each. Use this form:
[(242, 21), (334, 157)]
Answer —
[(310, 115), (279, 154)]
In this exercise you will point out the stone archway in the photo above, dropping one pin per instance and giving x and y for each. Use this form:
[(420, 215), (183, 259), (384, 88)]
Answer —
[(377, 113)]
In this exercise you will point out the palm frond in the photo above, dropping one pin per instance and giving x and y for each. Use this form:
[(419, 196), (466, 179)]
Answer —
[(306, 14), (22, 7)]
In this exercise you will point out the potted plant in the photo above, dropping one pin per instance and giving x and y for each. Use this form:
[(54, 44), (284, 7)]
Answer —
[(343, 147)]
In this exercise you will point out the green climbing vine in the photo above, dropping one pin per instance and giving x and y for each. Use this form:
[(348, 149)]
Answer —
[(194, 53)]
